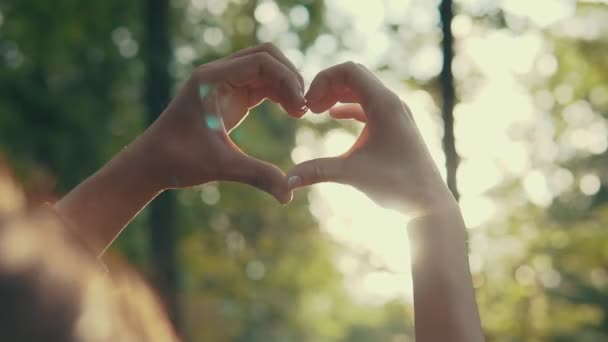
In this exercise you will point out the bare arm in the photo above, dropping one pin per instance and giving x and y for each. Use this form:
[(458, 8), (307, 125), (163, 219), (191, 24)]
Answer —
[(101, 206), (189, 144), (444, 298), (390, 163)]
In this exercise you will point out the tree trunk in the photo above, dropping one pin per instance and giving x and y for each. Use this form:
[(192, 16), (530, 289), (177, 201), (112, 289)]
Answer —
[(162, 212), (448, 94)]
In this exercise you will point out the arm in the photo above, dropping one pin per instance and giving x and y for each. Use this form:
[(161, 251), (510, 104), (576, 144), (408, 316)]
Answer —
[(390, 163), (99, 208), (444, 298), (189, 144)]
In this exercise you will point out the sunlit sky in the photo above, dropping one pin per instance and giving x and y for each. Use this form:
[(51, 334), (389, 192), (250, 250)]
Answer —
[(374, 256)]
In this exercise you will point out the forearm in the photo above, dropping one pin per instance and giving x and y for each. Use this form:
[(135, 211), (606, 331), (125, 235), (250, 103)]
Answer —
[(101, 206), (444, 298)]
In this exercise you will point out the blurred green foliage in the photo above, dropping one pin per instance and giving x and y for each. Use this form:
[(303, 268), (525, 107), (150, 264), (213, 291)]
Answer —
[(71, 89), (552, 284), (71, 79)]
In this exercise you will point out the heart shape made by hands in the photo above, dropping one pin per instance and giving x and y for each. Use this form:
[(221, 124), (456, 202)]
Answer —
[(225, 90), (233, 103), (389, 161)]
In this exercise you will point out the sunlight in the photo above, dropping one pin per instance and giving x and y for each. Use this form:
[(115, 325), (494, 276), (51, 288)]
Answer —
[(352, 219), (358, 224), (477, 210), (541, 12), (590, 184), (126, 86), (537, 189), (491, 123)]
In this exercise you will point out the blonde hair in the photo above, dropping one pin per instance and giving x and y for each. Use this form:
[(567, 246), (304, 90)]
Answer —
[(52, 288)]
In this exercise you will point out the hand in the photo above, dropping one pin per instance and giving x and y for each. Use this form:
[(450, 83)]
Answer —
[(389, 161), (189, 143)]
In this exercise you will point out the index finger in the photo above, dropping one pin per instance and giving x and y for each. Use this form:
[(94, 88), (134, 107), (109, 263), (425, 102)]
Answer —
[(347, 82), (274, 52), (263, 76)]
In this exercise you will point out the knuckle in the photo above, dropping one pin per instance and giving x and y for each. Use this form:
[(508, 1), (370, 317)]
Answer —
[(350, 65), (269, 47), (261, 62), (347, 69), (324, 75), (284, 81), (262, 57), (317, 172), (362, 67), (281, 82), (208, 74), (201, 72)]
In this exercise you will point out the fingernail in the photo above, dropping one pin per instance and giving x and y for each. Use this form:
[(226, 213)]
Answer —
[(287, 199), (293, 182)]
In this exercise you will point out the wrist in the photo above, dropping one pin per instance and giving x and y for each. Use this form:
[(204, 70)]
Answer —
[(425, 198), (441, 203), (441, 221)]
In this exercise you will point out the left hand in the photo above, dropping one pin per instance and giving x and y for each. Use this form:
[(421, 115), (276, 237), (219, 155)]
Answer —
[(389, 161), (189, 144)]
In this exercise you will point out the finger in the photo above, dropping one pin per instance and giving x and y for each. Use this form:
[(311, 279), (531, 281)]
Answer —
[(349, 111), (347, 82), (342, 94), (316, 171), (257, 95), (274, 52), (334, 83), (262, 73), (369, 72), (262, 175)]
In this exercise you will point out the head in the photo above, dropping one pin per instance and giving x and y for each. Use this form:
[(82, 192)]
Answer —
[(53, 289)]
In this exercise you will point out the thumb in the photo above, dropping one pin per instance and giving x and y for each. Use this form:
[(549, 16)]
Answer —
[(260, 174), (349, 111), (316, 171)]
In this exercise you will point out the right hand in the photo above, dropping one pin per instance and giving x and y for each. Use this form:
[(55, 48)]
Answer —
[(389, 162), (189, 144)]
